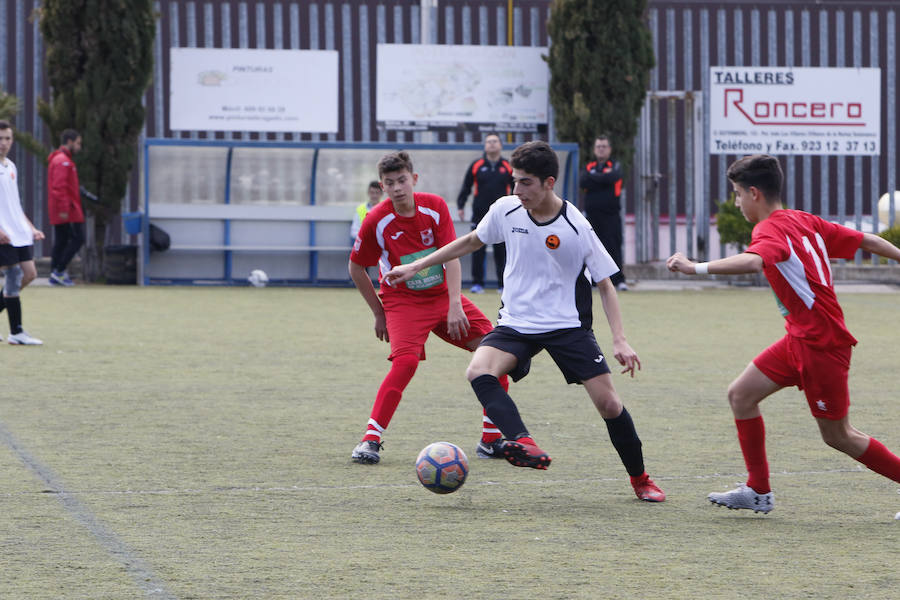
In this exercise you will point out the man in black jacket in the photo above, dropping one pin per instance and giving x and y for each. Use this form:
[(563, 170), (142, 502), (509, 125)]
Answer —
[(602, 182), (491, 178)]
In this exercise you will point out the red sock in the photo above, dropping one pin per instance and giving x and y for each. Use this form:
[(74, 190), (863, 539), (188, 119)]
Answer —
[(881, 460), (752, 437), (403, 368), (489, 431)]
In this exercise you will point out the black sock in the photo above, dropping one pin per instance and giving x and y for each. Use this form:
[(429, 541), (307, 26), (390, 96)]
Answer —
[(626, 442), (2, 301), (14, 308), (499, 407)]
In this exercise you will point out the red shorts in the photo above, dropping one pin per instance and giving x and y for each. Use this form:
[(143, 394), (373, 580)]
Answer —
[(411, 319), (820, 372)]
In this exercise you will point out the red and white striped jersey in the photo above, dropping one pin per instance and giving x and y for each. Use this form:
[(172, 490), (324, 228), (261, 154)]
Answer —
[(796, 248), (387, 239)]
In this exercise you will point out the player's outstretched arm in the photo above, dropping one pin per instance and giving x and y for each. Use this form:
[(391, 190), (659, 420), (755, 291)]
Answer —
[(458, 247), (622, 350), (880, 246), (457, 322), (367, 291), (738, 264)]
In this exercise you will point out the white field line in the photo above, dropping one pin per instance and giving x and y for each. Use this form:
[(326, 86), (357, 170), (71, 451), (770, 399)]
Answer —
[(141, 573)]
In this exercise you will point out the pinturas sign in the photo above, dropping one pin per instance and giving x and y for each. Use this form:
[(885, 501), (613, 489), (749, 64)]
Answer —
[(782, 110)]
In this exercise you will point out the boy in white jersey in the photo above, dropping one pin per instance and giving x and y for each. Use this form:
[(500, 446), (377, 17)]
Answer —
[(17, 237), (546, 304)]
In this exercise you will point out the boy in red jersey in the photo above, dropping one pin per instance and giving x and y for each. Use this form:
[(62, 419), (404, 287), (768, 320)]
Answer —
[(396, 231), (793, 248)]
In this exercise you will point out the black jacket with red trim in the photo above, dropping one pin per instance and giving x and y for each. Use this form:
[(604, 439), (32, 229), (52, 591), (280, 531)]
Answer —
[(489, 180), (603, 187)]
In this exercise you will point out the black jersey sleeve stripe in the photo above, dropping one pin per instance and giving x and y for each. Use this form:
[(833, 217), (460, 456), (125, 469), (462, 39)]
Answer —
[(566, 217), (512, 211)]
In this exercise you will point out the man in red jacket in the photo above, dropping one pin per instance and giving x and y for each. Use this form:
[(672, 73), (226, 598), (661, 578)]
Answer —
[(64, 201)]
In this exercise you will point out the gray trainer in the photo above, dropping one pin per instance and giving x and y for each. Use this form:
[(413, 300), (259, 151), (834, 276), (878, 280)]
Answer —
[(744, 497), (23, 339), (490, 449), (366, 452)]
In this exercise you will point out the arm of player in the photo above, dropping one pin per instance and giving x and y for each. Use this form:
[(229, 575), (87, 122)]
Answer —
[(367, 290), (35, 232), (880, 246), (738, 264), (468, 182), (458, 247), (457, 322), (622, 350)]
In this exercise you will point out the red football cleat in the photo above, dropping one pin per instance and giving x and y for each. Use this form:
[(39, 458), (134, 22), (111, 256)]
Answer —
[(646, 490), (525, 455)]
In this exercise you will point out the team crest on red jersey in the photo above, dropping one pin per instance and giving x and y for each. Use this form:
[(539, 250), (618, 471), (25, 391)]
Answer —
[(427, 237)]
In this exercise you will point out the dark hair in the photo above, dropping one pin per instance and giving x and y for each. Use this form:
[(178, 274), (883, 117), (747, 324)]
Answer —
[(492, 134), (760, 171), (395, 161), (4, 124), (536, 158), (602, 136), (68, 135), (374, 185)]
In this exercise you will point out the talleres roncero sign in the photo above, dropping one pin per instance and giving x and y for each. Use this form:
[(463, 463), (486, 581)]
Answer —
[(783, 110)]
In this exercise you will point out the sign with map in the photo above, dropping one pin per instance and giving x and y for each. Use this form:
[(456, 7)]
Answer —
[(216, 89), (435, 87)]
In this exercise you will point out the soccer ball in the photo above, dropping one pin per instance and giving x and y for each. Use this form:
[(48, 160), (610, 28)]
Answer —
[(442, 467), (258, 278)]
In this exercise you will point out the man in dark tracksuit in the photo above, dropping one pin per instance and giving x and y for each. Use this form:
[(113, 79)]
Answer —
[(602, 182), (491, 177)]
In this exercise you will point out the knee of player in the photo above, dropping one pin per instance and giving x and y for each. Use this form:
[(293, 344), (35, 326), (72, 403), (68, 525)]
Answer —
[(737, 398), (474, 371)]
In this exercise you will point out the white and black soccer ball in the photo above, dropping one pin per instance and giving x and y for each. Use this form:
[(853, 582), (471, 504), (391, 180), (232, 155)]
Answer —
[(258, 278)]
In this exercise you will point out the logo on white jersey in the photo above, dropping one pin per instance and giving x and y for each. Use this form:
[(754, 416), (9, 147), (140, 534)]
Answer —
[(427, 237), (396, 235), (552, 242), (520, 230)]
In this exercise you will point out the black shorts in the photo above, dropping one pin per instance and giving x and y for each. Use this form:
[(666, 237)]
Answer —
[(575, 351), (13, 255)]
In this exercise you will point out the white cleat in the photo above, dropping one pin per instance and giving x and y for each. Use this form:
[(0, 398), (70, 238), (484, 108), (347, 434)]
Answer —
[(744, 497), (23, 339)]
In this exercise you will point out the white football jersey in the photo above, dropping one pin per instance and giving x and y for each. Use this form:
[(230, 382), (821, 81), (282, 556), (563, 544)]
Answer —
[(12, 217), (545, 285)]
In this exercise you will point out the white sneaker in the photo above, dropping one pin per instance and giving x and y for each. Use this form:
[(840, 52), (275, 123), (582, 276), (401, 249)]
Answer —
[(23, 339), (744, 497)]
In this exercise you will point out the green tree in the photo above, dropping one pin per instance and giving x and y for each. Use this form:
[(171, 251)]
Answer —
[(600, 59), (9, 107), (99, 57), (733, 228)]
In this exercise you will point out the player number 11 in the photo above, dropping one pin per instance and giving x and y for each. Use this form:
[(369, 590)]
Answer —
[(817, 259)]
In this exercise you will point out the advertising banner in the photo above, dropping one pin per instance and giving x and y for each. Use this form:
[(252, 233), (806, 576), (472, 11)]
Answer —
[(214, 89), (782, 110), (433, 87)]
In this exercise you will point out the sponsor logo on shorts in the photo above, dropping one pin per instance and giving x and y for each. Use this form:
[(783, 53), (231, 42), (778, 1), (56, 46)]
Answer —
[(599, 359)]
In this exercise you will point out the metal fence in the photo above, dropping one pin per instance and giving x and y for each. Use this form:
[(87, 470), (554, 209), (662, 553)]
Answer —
[(688, 36)]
